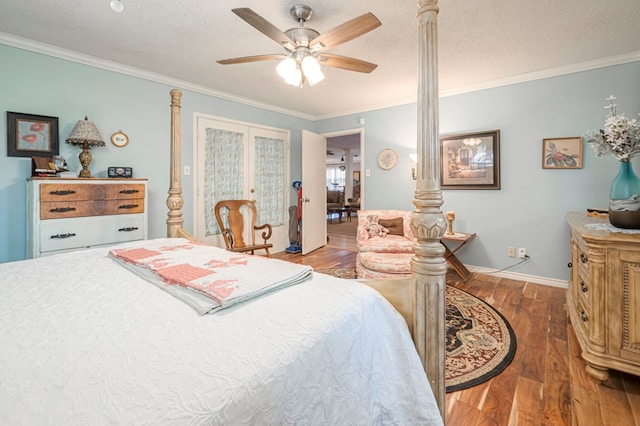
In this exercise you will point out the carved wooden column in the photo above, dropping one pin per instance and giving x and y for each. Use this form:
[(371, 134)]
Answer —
[(428, 222), (174, 201)]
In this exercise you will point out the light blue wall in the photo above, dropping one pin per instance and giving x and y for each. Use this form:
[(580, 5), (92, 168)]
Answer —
[(529, 209), (38, 84)]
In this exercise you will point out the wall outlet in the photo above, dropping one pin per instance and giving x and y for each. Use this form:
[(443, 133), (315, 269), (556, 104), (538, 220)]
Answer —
[(511, 251), (522, 253)]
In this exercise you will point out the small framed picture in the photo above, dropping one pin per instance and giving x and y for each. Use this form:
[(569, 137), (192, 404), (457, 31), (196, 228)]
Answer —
[(562, 153), (30, 135), (470, 160)]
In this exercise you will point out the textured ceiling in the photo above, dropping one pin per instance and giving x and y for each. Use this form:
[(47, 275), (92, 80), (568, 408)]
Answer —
[(481, 43)]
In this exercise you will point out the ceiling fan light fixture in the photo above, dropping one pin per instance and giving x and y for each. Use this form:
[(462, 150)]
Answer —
[(295, 78), (286, 67), (311, 69)]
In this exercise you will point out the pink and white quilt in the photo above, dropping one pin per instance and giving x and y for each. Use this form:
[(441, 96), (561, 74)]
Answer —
[(207, 278)]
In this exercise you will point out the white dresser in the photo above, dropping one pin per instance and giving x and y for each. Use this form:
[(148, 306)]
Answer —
[(72, 214)]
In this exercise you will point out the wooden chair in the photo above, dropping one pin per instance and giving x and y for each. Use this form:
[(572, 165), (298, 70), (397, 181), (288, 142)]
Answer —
[(233, 233)]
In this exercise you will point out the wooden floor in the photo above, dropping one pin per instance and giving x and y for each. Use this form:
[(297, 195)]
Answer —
[(546, 383)]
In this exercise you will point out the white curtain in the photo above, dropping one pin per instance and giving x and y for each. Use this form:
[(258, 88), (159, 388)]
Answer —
[(335, 177), (224, 172), (225, 176), (269, 171)]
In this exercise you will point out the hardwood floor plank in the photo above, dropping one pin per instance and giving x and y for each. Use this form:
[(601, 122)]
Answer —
[(632, 388), (614, 404), (556, 402), (585, 405), (527, 403), (460, 413)]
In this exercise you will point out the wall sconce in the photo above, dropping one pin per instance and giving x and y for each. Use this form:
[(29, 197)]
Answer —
[(414, 162)]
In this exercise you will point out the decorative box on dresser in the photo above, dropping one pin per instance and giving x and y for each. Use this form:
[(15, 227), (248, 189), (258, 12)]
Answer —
[(603, 299), (71, 214)]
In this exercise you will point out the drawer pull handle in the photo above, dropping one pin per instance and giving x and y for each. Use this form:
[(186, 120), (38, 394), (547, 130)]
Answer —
[(584, 316), (583, 287), (128, 206), (129, 191), (128, 229), (583, 258), (63, 192), (62, 209), (63, 236)]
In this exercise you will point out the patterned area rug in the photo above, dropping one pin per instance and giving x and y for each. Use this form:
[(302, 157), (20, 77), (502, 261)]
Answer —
[(480, 342)]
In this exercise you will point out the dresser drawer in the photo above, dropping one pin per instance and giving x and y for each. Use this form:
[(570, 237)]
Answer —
[(72, 233), (75, 192), (62, 209), (583, 317)]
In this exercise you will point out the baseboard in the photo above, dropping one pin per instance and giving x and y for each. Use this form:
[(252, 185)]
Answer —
[(552, 282)]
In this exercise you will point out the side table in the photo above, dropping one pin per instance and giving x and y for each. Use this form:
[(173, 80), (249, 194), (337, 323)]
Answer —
[(461, 238)]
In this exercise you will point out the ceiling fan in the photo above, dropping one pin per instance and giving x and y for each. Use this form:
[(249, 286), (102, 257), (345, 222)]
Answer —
[(305, 47)]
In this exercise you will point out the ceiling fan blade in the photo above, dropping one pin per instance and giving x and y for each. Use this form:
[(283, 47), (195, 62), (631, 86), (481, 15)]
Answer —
[(256, 58), (345, 32), (265, 27), (346, 63)]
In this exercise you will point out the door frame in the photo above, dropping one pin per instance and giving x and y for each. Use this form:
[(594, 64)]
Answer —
[(277, 245), (360, 131)]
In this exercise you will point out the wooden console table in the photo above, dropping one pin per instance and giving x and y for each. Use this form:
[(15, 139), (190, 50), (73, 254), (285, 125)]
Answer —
[(450, 255)]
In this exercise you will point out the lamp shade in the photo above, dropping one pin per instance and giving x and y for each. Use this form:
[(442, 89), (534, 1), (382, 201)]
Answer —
[(311, 70), (286, 68), (85, 132)]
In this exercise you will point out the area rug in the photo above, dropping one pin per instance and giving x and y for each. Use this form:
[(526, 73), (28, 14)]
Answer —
[(480, 342)]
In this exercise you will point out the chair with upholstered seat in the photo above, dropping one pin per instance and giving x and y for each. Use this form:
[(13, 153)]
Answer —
[(231, 220)]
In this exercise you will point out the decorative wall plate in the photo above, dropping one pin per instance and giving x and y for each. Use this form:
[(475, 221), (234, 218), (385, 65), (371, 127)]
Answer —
[(387, 159), (119, 139)]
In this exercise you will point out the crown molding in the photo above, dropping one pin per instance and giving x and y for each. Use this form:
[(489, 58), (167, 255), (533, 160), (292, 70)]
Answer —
[(81, 58), (73, 56), (609, 61)]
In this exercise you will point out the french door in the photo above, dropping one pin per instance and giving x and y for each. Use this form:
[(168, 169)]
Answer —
[(236, 160)]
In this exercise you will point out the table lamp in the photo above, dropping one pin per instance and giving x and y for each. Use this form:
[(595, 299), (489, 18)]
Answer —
[(85, 134)]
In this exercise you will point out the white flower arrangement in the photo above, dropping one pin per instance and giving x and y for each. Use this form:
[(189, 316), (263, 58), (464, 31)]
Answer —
[(620, 136)]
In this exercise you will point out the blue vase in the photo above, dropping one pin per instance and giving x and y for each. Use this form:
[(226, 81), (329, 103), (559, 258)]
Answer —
[(624, 198)]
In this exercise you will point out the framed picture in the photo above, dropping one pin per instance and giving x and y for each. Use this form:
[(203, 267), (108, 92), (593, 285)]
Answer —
[(562, 153), (470, 160), (31, 135)]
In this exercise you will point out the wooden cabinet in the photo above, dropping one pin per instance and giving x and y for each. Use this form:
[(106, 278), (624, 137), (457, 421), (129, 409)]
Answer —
[(71, 214), (603, 299)]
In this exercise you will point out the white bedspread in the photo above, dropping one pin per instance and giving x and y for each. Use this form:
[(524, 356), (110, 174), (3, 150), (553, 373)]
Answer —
[(78, 347)]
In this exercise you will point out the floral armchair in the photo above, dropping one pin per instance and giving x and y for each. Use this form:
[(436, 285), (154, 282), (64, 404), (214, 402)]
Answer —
[(385, 244)]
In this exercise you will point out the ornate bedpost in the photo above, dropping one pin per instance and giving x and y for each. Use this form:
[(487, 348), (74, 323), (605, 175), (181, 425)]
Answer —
[(174, 201), (428, 222)]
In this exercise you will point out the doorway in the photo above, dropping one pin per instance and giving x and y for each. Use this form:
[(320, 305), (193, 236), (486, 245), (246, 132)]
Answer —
[(343, 177)]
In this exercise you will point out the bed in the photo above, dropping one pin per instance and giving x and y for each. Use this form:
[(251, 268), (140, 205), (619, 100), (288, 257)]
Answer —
[(95, 343)]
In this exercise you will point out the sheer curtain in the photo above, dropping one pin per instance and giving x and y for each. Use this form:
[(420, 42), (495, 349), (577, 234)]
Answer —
[(225, 175), (335, 177), (224, 172), (269, 171)]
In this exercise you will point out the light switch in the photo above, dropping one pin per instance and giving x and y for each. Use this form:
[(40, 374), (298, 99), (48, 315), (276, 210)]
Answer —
[(187, 170), (367, 172)]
